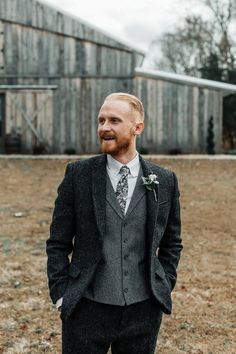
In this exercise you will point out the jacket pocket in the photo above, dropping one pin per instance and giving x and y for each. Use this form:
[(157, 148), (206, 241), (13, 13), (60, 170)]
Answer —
[(162, 202), (160, 272)]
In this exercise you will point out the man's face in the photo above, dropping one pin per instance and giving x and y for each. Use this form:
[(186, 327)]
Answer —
[(116, 127)]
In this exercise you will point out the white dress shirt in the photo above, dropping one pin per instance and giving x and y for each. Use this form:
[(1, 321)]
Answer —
[(113, 169)]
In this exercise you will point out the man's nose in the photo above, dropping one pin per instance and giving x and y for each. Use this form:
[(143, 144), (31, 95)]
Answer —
[(106, 126)]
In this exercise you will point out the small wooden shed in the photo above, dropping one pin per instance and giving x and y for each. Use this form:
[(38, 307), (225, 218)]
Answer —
[(55, 71), (178, 109)]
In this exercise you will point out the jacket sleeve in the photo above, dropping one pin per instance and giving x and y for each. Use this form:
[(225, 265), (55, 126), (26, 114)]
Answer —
[(60, 243), (171, 243)]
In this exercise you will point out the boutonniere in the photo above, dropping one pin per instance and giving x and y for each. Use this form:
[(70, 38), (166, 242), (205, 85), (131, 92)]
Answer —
[(150, 183)]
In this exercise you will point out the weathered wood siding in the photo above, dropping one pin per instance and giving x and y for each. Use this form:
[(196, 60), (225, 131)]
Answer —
[(32, 52), (2, 57), (177, 116)]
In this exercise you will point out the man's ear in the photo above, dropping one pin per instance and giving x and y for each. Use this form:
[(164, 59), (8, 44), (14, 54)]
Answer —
[(139, 128)]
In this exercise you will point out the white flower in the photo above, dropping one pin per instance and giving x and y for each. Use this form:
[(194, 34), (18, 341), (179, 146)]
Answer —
[(153, 178), (150, 182)]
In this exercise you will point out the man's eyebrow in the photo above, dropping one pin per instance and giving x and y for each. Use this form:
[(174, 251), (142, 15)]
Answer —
[(111, 117), (115, 117)]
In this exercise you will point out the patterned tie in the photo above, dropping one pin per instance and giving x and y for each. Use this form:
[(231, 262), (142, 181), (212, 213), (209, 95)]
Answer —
[(122, 187)]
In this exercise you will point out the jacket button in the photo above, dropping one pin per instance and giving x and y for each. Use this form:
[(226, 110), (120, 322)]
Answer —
[(126, 257)]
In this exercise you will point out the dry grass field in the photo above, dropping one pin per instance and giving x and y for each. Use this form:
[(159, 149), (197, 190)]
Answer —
[(204, 314)]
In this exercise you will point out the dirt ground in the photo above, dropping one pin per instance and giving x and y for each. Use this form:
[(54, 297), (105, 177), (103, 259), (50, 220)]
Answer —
[(204, 312)]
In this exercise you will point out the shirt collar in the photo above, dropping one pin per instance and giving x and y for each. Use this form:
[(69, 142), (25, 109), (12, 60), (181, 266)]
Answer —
[(114, 166)]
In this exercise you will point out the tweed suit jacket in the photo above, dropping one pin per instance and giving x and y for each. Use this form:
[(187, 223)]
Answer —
[(79, 224)]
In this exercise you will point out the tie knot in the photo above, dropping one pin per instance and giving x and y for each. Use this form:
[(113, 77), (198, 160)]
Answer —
[(124, 170)]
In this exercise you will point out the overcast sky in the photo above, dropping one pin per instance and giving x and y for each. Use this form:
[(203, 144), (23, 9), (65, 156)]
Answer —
[(137, 22)]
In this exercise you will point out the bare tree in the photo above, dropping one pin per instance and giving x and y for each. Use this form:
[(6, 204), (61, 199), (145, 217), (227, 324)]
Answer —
[(224, 12), (185, 49), (188, 48)]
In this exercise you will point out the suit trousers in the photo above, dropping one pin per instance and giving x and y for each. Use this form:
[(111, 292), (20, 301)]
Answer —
[(95, 327)]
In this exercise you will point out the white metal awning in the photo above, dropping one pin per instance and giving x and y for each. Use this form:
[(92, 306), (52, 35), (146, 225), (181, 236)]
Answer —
[(186, 80)]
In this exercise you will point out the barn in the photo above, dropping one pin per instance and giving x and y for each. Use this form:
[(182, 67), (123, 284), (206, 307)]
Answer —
[(55, 71)]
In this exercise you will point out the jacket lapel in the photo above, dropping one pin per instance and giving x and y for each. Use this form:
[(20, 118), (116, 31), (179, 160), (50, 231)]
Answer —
[(152, 204), (99, 193), (138, 193), (111, 198)]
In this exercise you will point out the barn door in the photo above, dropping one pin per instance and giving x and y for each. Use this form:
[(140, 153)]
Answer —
[(2, 121), (30, 114)]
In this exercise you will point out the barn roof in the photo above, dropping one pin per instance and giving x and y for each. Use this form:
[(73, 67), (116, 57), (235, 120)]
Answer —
[(187, 80), (41, 14)]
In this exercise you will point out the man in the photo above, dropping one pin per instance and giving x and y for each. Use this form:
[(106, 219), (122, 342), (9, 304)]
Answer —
[(119, 218)]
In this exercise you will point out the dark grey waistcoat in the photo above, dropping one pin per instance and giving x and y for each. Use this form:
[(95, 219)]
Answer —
[(122, 275)]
